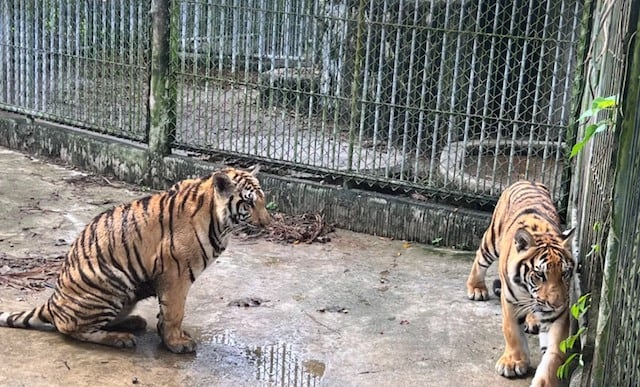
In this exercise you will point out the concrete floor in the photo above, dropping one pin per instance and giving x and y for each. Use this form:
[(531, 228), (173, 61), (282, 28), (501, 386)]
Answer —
[(357, 311)]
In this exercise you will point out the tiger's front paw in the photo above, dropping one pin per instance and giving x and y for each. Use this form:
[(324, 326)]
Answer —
[(182, 343), (544, 382), (512, 365), (478, 292), (546, 372)]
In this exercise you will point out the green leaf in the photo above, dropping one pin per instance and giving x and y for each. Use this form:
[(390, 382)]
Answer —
[(602, 127), (588, 113), (604, 102), (584, 301), (272, 206), (588, 133), (563, 370), (597, 226), (575, 311), (563, 346)]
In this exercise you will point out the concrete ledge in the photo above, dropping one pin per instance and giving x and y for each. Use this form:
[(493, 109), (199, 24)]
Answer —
[(352, 209)]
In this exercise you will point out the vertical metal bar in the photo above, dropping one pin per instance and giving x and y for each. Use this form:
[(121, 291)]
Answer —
[(234, 35), (4, 48), (195, 129), (441, 75), (564, 111), (315, 98), (407, 113), (21, 30), (61, 76), (222, 32), (365, 87), (77, 79), (43, 55), (503, 100), (470, 97), (343, 30), (394, 91), (134, 101), (261, 28), (487, 99), (378, 99), (355, 98), (452, 100), (325, 76), (208, 90), (53, 56), (286, 52), (272, 57), (113, 103), (536, 97), (247, 136), (521, 84), (37, 62), (423, 99)]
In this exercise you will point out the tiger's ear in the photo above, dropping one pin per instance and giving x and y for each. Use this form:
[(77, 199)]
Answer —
[(223, 184), (254, 170), (567, 234), (523, 240)]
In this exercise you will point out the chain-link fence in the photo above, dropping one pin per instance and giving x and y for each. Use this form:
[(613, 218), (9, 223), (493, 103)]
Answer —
[(83, 63), (455, 99), (605, 202)]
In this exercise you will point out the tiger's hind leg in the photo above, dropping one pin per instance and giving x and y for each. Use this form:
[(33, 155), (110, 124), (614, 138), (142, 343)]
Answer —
[(127, 324), (124, 322), (531, 324), (104, 337)]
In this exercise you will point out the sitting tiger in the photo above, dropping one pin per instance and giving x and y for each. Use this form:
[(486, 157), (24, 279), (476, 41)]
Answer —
[(535, 270), (154, 246)]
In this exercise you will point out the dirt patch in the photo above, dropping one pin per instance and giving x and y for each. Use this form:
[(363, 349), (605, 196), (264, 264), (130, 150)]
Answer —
[(29, 273)]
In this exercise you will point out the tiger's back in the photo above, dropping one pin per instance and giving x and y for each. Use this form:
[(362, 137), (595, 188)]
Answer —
[(154, 246), (535, 270)]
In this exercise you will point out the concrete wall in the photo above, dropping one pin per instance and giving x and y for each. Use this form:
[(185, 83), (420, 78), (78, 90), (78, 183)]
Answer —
[(363, 211)]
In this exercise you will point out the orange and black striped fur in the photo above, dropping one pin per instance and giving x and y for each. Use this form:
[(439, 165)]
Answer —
[(154, 246), (535, 269)]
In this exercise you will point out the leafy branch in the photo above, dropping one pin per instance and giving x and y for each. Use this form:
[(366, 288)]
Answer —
[(598, 105), (578, 309)]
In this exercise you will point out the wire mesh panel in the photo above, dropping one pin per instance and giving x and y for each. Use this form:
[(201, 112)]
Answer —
[(77, 62), (618, 364), (455, 98)]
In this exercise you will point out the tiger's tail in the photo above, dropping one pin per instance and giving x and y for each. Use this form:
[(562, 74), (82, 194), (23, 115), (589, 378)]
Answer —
[(36, 318)]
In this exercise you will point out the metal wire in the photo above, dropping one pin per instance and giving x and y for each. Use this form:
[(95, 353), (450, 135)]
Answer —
[(83, 63), (456, 99), (462, 97)]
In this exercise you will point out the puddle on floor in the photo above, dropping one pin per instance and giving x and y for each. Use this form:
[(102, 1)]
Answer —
[(274, 364)]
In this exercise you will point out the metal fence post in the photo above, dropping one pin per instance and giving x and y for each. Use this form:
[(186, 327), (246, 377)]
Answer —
[(162, 84)]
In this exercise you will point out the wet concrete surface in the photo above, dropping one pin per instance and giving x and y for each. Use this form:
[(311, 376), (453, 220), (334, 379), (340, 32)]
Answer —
[(357, 311)]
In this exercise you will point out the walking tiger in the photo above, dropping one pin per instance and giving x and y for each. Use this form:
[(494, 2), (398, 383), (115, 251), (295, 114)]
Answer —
[(535, 267), (154, 246)]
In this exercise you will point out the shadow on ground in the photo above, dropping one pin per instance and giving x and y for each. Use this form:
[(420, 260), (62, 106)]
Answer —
[(357, 311)]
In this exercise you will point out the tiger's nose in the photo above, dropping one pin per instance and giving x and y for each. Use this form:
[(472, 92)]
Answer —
[(264, 218), (260, 216)]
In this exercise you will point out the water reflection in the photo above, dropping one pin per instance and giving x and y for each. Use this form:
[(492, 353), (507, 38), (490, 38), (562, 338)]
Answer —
[(277, 364)]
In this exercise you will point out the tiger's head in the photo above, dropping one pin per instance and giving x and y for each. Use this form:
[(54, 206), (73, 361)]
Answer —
[(545, 269), (243, 197)]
